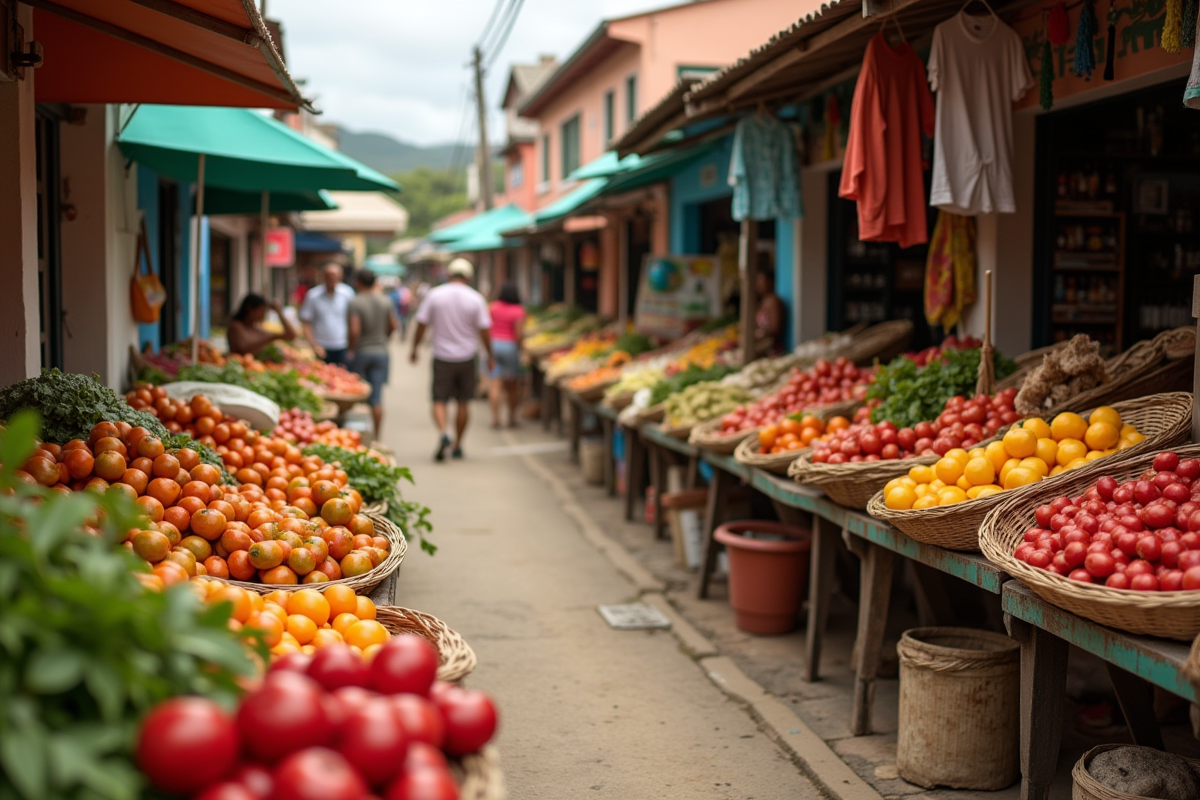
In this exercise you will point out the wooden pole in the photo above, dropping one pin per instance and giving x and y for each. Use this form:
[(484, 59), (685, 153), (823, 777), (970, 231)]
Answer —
[(747, 257), (1196, 379), (264, 222), (195, 277), (569, 288), (623, 270)]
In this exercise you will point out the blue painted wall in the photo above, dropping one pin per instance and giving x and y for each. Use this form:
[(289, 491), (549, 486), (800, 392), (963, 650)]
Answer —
[(689, 190)]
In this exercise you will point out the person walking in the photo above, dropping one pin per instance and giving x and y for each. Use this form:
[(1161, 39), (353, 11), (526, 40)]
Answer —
[(246, 335), (459, 321), (370, 322), (507, 318), (402, 297), (323, 315)]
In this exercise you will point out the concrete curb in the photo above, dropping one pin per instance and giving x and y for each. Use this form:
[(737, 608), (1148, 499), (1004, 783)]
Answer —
[(812, 756)]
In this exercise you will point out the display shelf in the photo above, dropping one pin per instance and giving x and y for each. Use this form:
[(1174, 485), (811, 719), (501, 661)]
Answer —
[(1087, 283)]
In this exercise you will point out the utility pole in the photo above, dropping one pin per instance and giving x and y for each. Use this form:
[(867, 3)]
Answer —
[(484, 159)]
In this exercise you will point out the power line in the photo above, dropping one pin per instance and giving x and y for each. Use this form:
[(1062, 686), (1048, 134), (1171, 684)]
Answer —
[(457, 160), (498, 45), (488, 29)]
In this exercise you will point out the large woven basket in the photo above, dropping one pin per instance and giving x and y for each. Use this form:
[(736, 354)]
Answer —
[(708, 435), (747, 453), (1174, 615), (361, 584), (1164, 419), (853, 485), (1088, 788), (456, 659), (481, 777), (655, 413), (620, 401), (881, 342), (677, 431), (593, 393)]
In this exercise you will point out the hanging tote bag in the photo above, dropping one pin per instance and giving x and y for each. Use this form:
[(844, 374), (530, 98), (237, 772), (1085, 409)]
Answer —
[(146, 292)]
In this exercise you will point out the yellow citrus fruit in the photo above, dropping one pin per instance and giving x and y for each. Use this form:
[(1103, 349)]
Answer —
[(900, 498), (959, 455), (921, 490), (894, 483), (980, 471), (1047, 450), (1135, 438), (928, 501), (1126, 430), (1106, 414), (1037, 426), (1125, 444), (1057, 469), (1079, 462), (1102, 435), (343, 621), (963, 483), (948, 469), (996, 454), (937, 484), (977, 452), (1094, 454), (1020, 477), (369, 652), (1020, 442), (365, 633), (1008, 467), (988, 491), (308, 649), (311, 604), (1037, 465), (921, 474), (301, 627), (342, 600), (366, 608), (326, 636), (951, 495), (284, 648), (287, 638), (1068, 425), (1069, 450)]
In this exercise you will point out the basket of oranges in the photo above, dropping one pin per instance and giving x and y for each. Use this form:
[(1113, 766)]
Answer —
[(945, 503), (777, 446)]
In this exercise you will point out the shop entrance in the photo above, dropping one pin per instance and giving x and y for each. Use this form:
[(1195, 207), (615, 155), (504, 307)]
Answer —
[(1115, 243), (637, 247), (49, 242), (220, 260), (168, 260)]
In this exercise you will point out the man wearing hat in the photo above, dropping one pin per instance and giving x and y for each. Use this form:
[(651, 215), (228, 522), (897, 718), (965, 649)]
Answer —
[(459, 321)]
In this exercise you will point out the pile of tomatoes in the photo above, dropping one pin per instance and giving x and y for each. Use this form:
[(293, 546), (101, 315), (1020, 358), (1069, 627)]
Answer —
[(962, 424), (825, 384), (299, 427), (1143, 534), (323, 727)]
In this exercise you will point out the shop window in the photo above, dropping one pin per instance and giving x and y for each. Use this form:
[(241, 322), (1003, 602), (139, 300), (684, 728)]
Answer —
[(516, 174), (609, 112), (631, 104), (220, 289), (545, 177), (570, 146)]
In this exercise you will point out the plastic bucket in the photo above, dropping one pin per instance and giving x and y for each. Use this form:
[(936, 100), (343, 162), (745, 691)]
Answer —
[(768, 576)]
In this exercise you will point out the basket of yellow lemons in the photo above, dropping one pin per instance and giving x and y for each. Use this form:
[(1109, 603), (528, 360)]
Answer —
[(945, 503)]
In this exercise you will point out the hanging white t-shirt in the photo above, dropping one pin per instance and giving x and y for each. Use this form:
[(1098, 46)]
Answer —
[(977, 68)]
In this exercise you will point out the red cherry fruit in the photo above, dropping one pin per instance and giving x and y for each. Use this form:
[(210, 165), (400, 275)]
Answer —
[(1170, 581), (1081, 575), (1191, 579), (1118, 580), (317, 773), (187, 744), (336, 665), (292, 662), (1100, 565), (404, 664), (284, 715), (1144, 582), (1105, 487), (421, 755)]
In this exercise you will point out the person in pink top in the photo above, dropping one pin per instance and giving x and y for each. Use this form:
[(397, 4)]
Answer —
[(507, 318)]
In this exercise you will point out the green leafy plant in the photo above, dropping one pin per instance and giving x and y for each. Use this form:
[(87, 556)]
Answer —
[(85, 649), (912, 394), (283, 387), (689, 376), (379, 482)]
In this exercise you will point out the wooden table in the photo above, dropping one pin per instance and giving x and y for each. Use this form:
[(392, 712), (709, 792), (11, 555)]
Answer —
[(662, 448), (608, 426), (1135, 665)]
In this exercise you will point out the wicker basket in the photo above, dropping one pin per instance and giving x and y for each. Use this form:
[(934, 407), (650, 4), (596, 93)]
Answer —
[(1164, 419), (456, 659), (1134, 373), (594, 393), (884, 342), (619, 401), (747, 453), (708, 435), (1088, 788), (375, 509), (361, 584), (853, 485), (481, 778), (677, 431), (655, 413), (1174, 615)]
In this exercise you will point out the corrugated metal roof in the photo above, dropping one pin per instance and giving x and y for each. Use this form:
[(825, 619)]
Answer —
[(649, 127)]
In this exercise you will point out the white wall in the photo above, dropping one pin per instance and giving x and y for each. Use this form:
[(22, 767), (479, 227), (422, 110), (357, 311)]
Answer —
[(121, 245)]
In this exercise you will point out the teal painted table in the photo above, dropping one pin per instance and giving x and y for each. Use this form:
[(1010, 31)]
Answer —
[(660, 449)]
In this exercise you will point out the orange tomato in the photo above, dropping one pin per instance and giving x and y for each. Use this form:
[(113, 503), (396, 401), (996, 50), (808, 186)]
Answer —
[(365, 633), (309, 603), (341, 599)]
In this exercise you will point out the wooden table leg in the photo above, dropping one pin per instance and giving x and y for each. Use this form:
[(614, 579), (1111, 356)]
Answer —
[(1136, 697), (714, 514), (547, 405), (692, 479), (873, 598), (1043, 686), (574, 426), (610, 464), (633, 473), (820, 589), (658, 476)]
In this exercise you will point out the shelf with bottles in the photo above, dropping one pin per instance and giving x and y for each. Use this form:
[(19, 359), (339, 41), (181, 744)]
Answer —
[(1089, 187)]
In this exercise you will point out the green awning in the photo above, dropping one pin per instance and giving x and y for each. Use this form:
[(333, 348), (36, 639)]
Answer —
[(656, 168), (570, 203), (488, 222), (606, 166), (228, 201), (244, 150), (483, 240)]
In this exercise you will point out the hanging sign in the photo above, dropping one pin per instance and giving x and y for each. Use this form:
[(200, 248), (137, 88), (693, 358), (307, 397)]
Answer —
[(281, 247), (677, 294)]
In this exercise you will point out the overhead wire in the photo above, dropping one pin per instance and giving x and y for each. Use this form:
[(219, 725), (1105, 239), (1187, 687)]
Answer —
[(498, 45), (489, 28)]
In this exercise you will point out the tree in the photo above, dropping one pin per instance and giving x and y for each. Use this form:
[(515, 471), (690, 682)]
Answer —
[(430, 194)]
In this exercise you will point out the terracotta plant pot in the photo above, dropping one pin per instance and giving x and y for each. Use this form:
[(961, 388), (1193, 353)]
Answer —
[(767, 579)]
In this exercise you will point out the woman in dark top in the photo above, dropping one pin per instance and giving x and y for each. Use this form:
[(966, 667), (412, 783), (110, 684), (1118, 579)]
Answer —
[(246, 335), (769, 318)]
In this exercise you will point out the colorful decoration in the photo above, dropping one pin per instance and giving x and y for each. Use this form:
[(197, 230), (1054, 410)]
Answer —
[(950, 269), (1172, 32), (1058, 25), (1085, 55)]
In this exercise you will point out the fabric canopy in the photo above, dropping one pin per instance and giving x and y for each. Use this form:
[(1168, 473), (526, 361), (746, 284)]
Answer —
[(655, 168), (605, 166), (198, 52), (489, 222), (570, 203), (308, 242), (229, 201), (243, 150)]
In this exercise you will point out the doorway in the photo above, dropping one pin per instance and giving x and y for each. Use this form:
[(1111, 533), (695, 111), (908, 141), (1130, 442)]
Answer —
[(49, 239), (168, 260), (220, 289)]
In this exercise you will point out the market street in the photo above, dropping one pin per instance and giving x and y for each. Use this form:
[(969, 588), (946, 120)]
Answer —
[(584, 708)]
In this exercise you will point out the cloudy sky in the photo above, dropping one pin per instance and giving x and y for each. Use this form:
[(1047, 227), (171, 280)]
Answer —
[(400, 66)]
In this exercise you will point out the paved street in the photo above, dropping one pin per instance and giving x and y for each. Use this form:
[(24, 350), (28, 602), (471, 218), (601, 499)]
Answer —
[(586, 711)]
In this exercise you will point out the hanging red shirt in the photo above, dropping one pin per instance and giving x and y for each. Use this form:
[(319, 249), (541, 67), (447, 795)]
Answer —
[(883, 170)]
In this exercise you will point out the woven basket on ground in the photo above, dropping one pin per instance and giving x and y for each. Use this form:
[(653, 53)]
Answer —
[(1174, 615), (1088, 788), (456, 659), (747, 453), (709, 436), (361, 584), (884, 342), (481, 777), (1164, 419), (593, 393)]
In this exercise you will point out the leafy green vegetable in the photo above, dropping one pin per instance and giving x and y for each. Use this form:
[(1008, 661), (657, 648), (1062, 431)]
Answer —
[(689, 376), (633, 343), (282, 387), (71, 405), (724, 321), (380, 482), (85, 650), (913, 394)]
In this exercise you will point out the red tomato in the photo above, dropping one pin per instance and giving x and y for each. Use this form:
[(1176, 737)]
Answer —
[(470, 719), (404, 664), (256, 778), (317, 773), (187, 744), (421, 719), (228, 790), (374, 742), (428, 783), (421, 755), (282, 716), (292, 662), (335, 666)]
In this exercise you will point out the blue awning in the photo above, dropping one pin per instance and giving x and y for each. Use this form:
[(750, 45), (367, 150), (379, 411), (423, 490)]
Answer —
[(307, 242)]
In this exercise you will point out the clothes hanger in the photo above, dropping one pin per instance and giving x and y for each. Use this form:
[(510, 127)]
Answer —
[(983, 2), (893, 18)]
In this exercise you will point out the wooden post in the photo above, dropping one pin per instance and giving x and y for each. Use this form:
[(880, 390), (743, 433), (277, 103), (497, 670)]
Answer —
[(747, 262), (258, 280), (623, 287), (1196, 379), (195, 276), (569, 271)]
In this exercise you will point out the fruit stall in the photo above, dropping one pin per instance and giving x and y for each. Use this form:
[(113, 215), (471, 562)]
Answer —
[(1060, 482), (198, 605)]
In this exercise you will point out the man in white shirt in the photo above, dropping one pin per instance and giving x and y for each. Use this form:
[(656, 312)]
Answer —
[(459, 319), (324, 316)]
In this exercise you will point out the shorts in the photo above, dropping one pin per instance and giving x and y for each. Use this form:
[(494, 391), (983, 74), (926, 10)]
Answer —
[(454, 380), (373, 367), (337, 356), (508, 360)]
